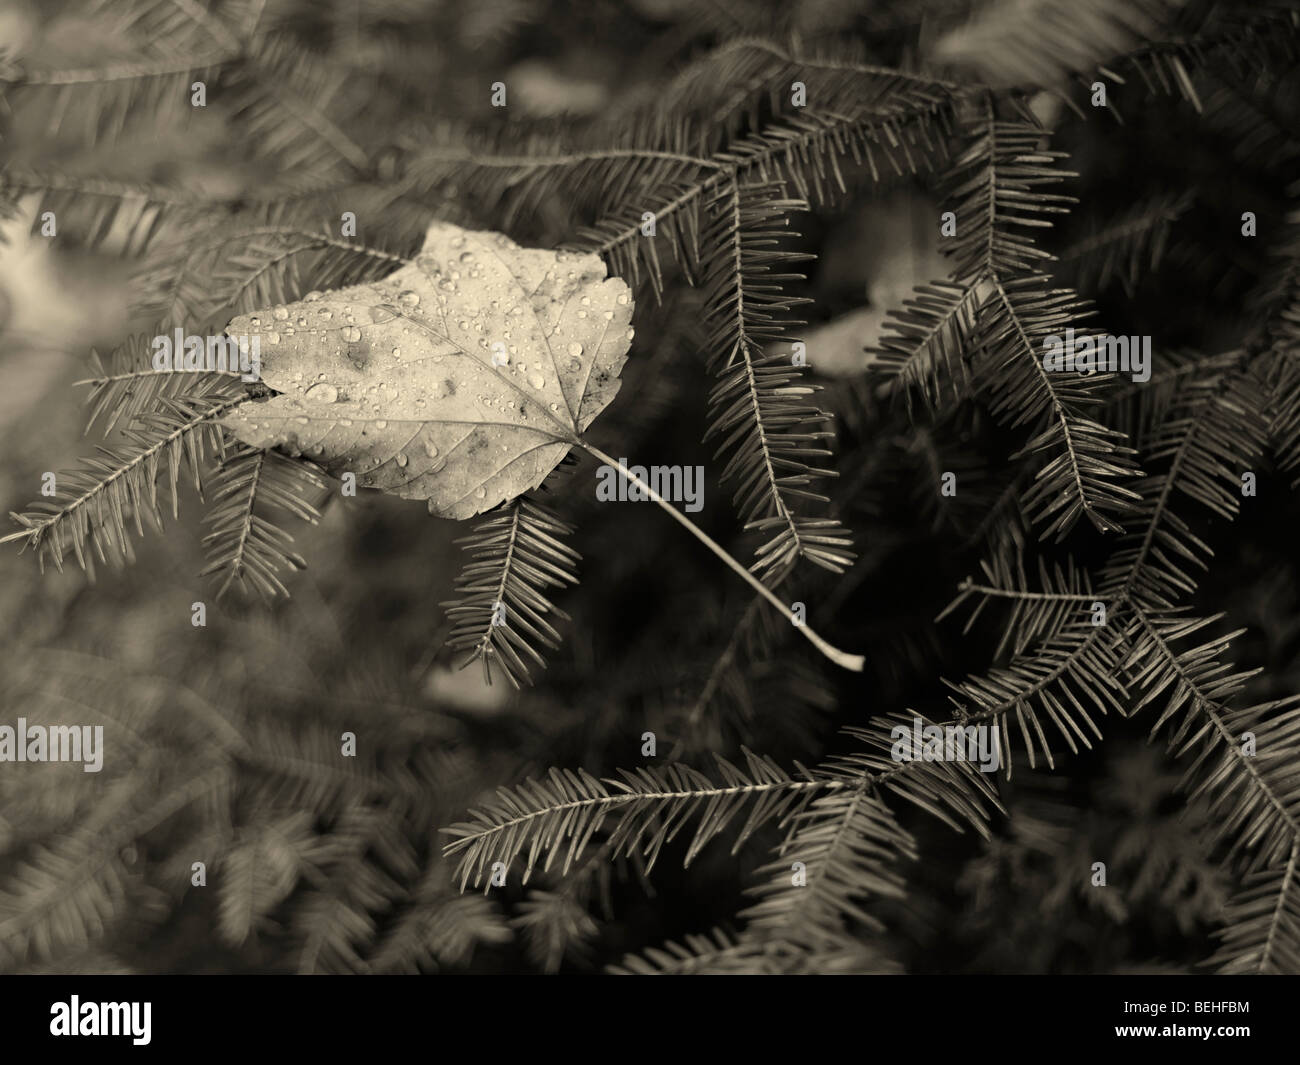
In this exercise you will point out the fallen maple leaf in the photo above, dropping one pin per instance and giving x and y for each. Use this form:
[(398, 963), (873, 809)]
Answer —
[(463, 378)]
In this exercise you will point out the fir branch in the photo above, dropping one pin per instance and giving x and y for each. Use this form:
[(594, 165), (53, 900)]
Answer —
[(1059, 679), (245, 545), (92, 505), (129, 387), (849, 842), (1262, 933), (757, 409), (562, 814), (501, 614), (1126, 248)]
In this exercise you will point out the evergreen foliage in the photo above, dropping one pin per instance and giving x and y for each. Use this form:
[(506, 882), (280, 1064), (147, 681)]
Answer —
[(1074, 492)]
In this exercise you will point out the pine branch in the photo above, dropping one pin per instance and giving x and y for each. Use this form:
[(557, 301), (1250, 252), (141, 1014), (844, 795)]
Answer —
[(757, 409), (501, 614), (129, 387), (713, 952), (92, 505), (1060, 680), (1236, 37), (1127, 248), (562, 814), (849, 841), (1060, 596), (999, 306), (245, 545), (1211, 434), (1262, 933), (924, 351), (1087, 457)]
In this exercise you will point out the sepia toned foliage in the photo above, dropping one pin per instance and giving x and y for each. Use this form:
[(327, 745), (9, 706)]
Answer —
[(1078, 591)]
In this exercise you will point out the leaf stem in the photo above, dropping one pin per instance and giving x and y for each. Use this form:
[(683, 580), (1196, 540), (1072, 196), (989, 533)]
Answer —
[(840, 658)]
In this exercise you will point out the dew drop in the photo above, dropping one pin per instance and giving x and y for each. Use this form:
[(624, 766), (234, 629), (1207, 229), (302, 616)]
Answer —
[(575, 366), (302, 321), (537, 380), (481, 493), (382, 313), (381, 424), (409, 298), (621, 299), (326, 314), (311, 297), (555, 406), (575, 348), (352, 334), (402, 460), (280, 313), (273, 337), (582, 314), (585, 301), (631, 333), (302, 419), (431, 450), (323, 393)]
